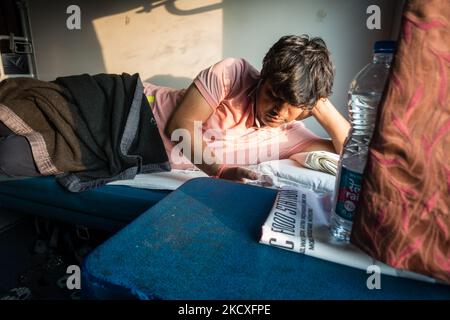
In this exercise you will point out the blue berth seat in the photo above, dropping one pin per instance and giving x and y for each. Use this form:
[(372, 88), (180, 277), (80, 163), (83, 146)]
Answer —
[(106, 207), (201, 242)]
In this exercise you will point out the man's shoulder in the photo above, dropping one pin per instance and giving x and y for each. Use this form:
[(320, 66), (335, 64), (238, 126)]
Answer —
[(239, 63), (233, 60)]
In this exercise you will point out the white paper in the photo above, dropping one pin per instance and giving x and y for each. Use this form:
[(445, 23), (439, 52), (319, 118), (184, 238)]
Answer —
[(299, 221)]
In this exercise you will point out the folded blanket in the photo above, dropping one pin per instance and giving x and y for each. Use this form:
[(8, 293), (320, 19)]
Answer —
[(87, 130)]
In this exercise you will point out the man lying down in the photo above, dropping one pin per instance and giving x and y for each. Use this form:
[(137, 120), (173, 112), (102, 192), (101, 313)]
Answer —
[(91, 130)]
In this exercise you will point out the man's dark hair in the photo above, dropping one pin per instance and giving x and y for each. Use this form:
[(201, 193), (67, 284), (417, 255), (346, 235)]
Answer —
[(299, 70)]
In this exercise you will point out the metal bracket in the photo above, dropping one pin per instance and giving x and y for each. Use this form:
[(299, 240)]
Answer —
[(20, 46)]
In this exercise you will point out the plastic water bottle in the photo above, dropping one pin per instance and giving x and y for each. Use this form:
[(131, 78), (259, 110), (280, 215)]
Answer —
[(365, 94)]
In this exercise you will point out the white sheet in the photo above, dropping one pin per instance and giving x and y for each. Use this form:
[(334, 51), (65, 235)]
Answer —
[(169, 180), (283, 173)]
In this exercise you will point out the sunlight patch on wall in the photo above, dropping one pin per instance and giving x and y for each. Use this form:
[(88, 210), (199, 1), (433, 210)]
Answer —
[(161, 41)]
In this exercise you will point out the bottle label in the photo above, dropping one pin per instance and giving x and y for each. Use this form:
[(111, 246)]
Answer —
[(348, 193)]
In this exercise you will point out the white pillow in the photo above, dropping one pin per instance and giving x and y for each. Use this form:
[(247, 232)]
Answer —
[(282, 172), (289, 172)]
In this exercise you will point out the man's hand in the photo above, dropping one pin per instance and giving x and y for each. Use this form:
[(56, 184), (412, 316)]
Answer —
[(239, 174)]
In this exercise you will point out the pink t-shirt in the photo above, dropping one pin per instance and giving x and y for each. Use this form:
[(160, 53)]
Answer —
[(229, 87)]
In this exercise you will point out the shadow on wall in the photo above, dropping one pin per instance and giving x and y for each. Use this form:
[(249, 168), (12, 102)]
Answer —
[(246, 29), (168, 80), (61, 51), (172, 8)]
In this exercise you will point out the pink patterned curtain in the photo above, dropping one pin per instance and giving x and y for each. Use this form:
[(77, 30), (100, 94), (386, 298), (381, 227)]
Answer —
[(403, 217)]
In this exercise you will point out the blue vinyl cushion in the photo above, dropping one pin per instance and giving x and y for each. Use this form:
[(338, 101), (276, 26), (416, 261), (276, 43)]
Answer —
[(201, 242), (107, 207)]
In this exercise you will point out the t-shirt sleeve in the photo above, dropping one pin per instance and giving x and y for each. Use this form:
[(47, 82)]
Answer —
[(216, 82), (298, 138)]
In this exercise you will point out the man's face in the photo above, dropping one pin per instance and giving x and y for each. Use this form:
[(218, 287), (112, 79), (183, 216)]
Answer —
[(271, 111)]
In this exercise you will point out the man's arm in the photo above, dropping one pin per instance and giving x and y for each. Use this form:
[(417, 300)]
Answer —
[(335, 125), (194, 107)]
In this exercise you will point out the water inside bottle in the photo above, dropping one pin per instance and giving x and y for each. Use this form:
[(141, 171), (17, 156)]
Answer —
[(363, 111)]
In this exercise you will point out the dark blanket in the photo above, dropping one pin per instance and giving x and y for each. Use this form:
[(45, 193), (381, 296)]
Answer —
[(86, 130)]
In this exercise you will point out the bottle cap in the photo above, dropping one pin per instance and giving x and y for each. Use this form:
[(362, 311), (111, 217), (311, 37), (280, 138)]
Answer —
[(384, 47)]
